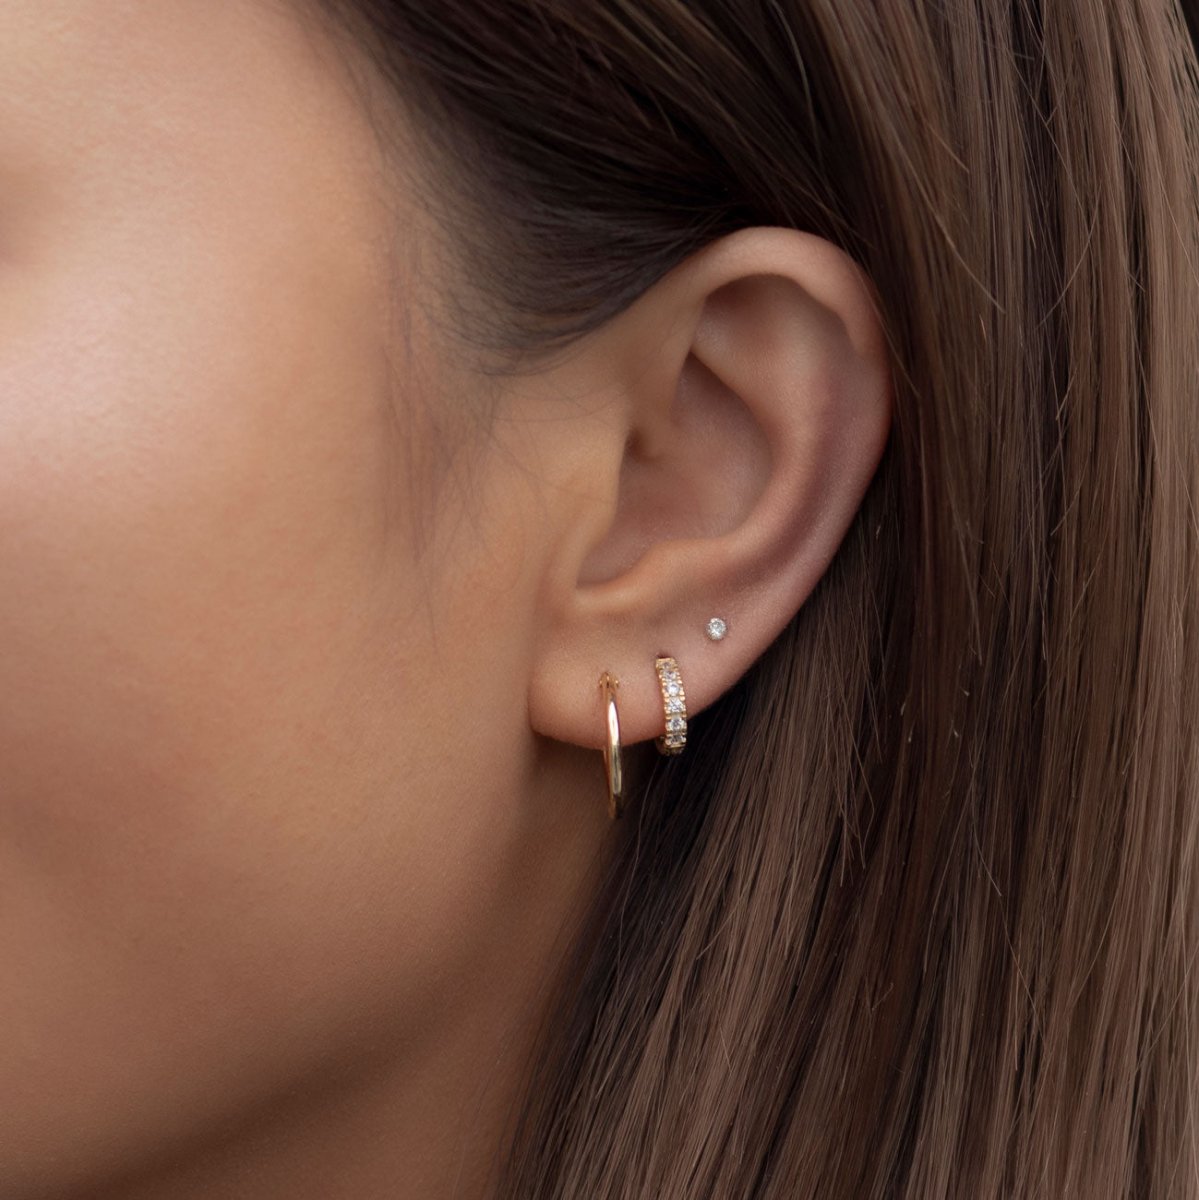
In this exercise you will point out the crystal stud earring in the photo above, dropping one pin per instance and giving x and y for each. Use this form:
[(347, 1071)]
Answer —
[(716, 629)]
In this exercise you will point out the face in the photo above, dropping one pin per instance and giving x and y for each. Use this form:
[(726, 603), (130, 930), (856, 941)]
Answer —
[(247, 803)]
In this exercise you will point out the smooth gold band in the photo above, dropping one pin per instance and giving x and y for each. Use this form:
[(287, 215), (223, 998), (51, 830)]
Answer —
[(608, 685)]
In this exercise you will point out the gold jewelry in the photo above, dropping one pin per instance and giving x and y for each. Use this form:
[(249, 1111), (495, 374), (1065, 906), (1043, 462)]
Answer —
[(674, 704), (608, 685)]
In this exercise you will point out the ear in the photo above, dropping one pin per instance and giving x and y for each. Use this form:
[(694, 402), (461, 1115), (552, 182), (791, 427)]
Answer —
[(744, 404)]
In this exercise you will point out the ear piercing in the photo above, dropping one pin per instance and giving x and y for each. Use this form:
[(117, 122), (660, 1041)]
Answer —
[(674, 715)]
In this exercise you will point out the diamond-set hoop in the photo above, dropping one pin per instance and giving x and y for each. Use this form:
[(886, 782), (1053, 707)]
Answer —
[(674, 705)]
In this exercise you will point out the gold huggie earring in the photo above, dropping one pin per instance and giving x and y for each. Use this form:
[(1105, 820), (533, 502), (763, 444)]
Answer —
[(608, 685), (674, 704)]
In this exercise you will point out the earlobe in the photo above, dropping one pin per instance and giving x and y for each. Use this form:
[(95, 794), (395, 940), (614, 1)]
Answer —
[(753, 428)]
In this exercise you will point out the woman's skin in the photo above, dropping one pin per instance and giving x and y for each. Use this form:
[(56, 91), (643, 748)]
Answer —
[(300, 794)]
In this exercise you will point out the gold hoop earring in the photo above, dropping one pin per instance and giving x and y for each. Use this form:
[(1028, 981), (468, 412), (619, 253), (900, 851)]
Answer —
[(674, 706), (608, 685)]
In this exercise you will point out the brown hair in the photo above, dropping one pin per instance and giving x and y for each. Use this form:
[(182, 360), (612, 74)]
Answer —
[(918, 915)]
